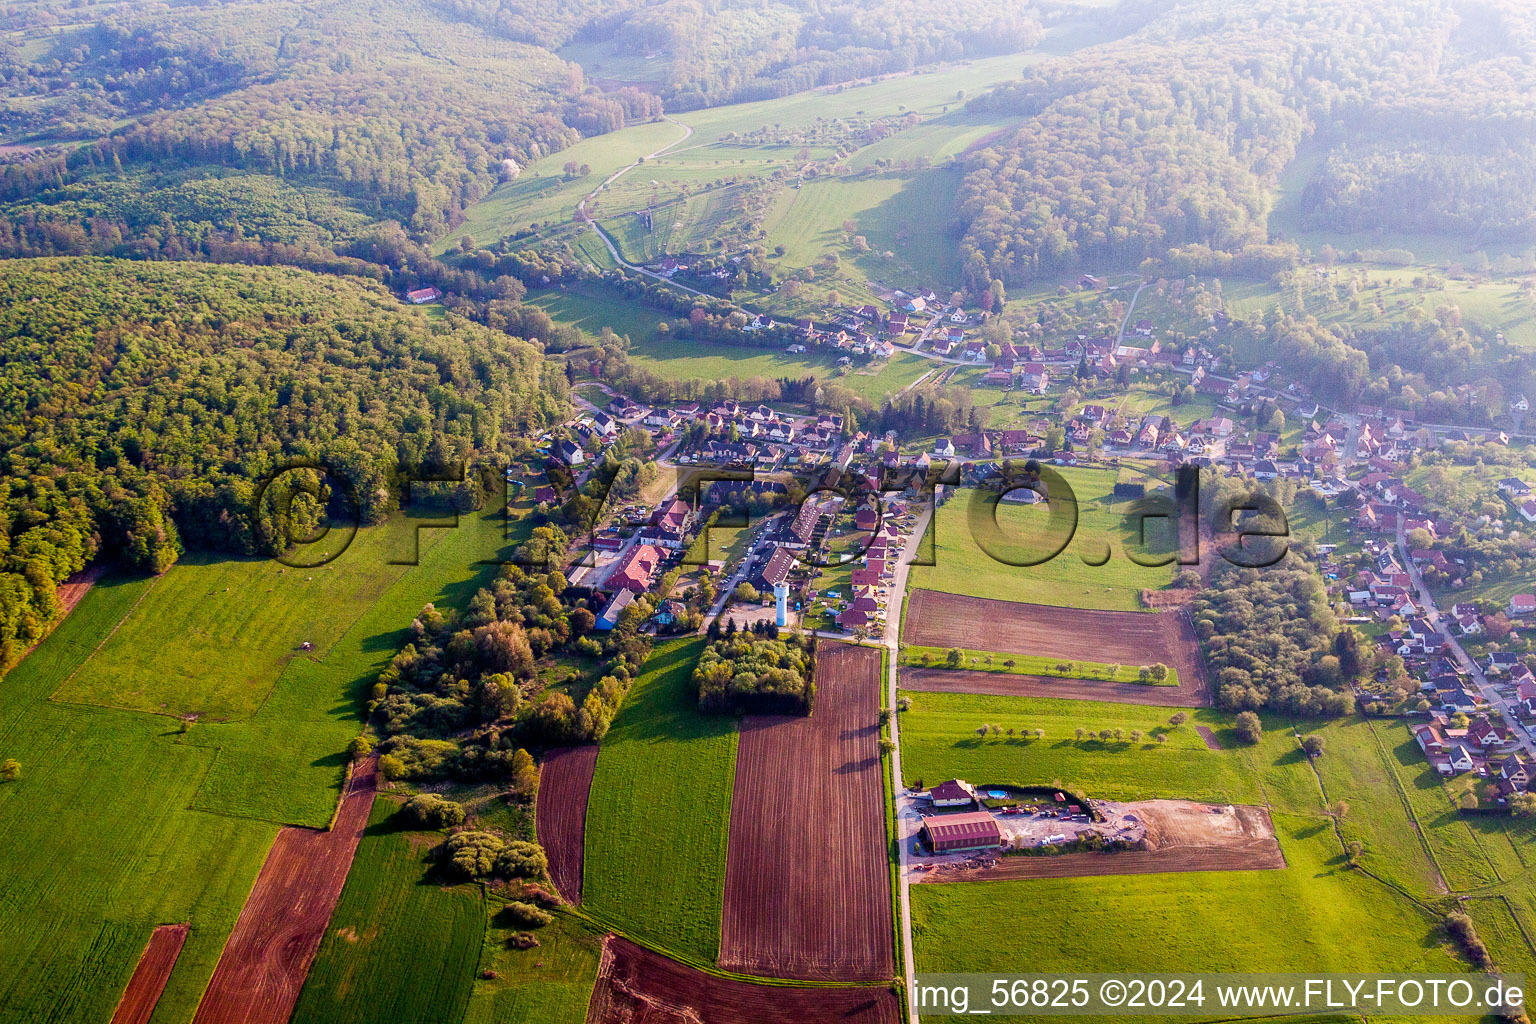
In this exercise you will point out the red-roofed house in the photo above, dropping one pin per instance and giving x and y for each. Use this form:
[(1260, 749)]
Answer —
[(976, 830), (636, 571)]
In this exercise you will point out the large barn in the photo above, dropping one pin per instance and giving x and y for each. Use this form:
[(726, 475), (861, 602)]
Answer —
[(975, 830)]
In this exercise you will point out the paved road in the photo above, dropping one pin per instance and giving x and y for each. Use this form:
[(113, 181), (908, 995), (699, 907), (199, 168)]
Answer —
[(1124, 323), (1458, 653), (906, 809)]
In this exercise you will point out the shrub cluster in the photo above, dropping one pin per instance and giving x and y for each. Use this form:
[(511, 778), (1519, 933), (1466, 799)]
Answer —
[(742, 674)]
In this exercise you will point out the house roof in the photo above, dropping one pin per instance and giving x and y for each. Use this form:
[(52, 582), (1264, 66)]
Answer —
[(954, 789), (969, 825)]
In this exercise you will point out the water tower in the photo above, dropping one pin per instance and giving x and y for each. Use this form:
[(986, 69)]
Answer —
[(781, 604)]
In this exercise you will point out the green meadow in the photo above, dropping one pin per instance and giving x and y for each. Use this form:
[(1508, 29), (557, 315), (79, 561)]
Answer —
[(543, 192), (390, 917), (123, 821), (549, 984), (939, 740), (660, 811), (976, 550), (1314, 915)]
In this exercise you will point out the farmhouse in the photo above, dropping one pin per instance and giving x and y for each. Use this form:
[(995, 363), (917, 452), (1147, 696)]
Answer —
[(954, 793), (422, 296), (974, 830)]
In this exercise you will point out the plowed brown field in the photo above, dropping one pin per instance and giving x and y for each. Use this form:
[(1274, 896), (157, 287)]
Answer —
[(1126, 638), (637, 986), (565, 780), (807, 882), (267, 957), (150, 976)]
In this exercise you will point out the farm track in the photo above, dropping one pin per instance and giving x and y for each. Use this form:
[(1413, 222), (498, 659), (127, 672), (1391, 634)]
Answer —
[(636, 986), (807, 883), (560, 820), (268, 955), (151, 974), (1003, 684), (935, 619)]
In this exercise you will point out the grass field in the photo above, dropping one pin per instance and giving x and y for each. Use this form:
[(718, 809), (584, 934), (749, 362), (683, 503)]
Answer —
[(1025, 664), (660, 811), (1313, 915), (100, 841), (389, 918), (939, 741), (107, 835), (592, 308), (963, 566), (549, 984), (543, 192), (157, 659)]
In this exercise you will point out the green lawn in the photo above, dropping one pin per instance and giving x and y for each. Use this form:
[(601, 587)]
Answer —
[(1313, 915), (107, 834), (660, 811), (971, 548), (940, 741), (549, 984), (388, 919)]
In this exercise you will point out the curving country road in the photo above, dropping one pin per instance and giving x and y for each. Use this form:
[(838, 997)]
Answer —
[(613, 249)]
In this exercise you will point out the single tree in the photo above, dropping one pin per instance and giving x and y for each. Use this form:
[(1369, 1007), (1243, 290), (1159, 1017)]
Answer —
[(1248, 727)]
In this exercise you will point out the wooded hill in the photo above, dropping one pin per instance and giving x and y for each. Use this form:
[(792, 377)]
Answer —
[(142, 404)]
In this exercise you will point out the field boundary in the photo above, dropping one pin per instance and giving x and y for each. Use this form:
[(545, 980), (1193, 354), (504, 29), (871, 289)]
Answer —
[(633, 978), (560, 814), (267, 956), (801, 895), (150, 974), (941, 620)]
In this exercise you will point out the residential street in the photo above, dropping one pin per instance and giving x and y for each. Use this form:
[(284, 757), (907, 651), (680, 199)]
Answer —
[(1433, 616)]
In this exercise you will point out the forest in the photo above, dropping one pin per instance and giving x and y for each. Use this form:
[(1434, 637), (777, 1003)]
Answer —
[(730, 51), (1174, 135), (143, 403)]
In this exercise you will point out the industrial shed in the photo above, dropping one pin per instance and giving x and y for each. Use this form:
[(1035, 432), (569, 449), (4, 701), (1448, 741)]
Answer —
[(974, 830)]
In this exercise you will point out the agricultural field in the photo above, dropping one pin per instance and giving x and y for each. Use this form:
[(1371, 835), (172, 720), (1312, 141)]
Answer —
[(1313, 915), (153, 660), (636, 984), (813, 900), (388, 918), (266, 961), (548, 984), (565, 782), (161, 857), (1005, 663), (660, 810), (941, 739), (972, 542), (938, 620), (544, 193)]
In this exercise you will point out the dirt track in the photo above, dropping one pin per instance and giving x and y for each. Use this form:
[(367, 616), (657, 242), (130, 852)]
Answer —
[(807, 887), (1181, 836), (1127, 638), (944, 680), (267, 957), (637, 986), (150, 976), (565, 780)]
